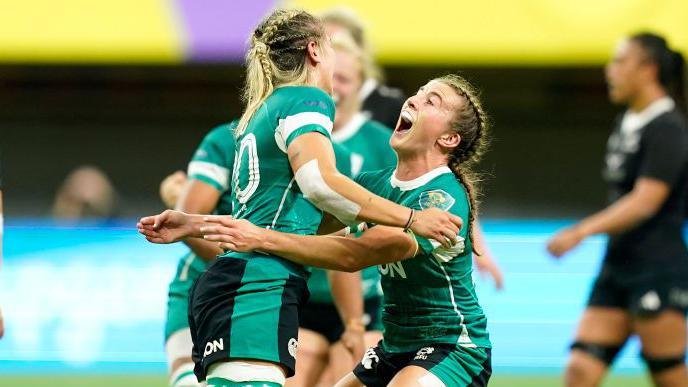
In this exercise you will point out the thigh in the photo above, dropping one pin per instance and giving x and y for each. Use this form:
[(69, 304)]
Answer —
[(350, 380), (663, 335), (603, 325), (449, 364), (415, 376), (311, 359), (341, 362)]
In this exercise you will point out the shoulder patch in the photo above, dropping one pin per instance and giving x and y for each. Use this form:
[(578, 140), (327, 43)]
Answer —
[(436, 198)]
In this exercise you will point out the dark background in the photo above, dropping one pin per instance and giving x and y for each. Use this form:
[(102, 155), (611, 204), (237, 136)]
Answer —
[(139, 123)]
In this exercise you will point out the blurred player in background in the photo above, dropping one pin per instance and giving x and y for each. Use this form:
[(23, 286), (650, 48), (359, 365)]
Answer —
[(434, 328), (204, 190), (284, 168), (642, 287), (86, 192), (378, 102), (368, 142)]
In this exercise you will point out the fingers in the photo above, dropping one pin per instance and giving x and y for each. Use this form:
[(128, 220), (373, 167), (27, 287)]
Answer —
[(225, 220), (147, 220)]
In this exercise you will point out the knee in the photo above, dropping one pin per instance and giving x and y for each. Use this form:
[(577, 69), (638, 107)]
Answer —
[(576, 372), (660, 364)]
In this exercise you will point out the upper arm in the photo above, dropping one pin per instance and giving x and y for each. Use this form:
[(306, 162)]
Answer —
[(209, 172), (312, 146), (651, 193), (198, 197), (665, 151)]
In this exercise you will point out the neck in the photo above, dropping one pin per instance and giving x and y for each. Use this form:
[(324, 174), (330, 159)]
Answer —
[(646, 97), (410, 167), (343, 116)]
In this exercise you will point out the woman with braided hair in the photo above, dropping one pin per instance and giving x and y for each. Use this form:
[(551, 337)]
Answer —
[(243, 311), (434, 328)]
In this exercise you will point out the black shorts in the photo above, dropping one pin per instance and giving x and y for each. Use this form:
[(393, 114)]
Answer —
[(455, 366), (643, 293), (231, 317), (324, 318)]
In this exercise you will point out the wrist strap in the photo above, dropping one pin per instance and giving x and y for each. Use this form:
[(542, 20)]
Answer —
[(410, 220)]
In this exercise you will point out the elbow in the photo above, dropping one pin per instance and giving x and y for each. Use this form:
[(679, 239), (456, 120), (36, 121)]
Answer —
[(351, 264)]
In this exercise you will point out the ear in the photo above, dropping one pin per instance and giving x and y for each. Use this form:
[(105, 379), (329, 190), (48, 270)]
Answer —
[(449, 140), (314, 56)]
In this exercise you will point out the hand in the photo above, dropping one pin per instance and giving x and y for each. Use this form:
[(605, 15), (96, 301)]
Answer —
[(233, 234), (168, 227), (486, 265), (171, 187), (436, 224), (564, 241), (353, 339)]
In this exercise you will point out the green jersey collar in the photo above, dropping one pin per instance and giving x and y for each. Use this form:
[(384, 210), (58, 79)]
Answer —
[(419, 181)]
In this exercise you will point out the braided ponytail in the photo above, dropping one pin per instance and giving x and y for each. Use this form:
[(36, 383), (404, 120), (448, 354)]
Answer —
[(471, 125), (277, 56)]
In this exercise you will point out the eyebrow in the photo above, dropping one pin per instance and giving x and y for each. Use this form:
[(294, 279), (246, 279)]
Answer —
[(432, 93)]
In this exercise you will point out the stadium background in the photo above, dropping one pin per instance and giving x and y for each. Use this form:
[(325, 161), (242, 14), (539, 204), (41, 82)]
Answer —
[(131, 86)]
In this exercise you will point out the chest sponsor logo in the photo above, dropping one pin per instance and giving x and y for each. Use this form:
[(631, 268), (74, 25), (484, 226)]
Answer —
[(370, 359), (436, 198), (423, 353), (213, 346), (392, 269)]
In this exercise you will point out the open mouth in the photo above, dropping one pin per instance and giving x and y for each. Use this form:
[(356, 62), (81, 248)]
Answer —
[(404, 124)]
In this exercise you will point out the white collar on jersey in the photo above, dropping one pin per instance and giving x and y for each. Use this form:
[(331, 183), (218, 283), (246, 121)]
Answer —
[(419, 181), (350, 129), (632, 121), (368, 87)]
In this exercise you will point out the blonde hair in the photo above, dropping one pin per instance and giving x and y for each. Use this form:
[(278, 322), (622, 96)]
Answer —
[(343, 41), (277, 56), (471, 124), (349, 20)]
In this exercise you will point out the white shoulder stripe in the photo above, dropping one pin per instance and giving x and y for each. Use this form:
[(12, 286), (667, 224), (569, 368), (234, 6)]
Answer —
[(218, 174), (291, 123)]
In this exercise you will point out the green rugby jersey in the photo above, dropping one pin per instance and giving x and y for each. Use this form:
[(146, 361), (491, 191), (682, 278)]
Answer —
[(368, 144), (264, 188), (429, 298)]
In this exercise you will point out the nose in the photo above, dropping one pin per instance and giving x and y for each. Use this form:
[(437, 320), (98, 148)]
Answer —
[(412, 103)]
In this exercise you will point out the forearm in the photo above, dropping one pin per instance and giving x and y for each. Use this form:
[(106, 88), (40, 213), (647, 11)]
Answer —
[(376, 246), (347, 295), (207, 250), (624, 214), (308, 250), (373, 208)]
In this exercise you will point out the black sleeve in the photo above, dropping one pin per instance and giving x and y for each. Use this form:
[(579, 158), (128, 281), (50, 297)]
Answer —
[(665, 151)]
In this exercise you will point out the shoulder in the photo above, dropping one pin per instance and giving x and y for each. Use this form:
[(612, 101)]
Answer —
[(375, 128), (222, 133), (366, 179), (671, 126), (444, 192), (304, 98)]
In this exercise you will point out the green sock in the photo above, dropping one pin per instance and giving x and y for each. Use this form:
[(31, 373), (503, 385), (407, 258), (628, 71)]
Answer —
[(221, 382)]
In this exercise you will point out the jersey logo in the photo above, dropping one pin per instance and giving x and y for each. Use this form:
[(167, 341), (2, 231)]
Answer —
[(436, 198), (392, 269), (214, 346), (292, 347), (370, 358), (423, 353), (318, 103), (650, 301)]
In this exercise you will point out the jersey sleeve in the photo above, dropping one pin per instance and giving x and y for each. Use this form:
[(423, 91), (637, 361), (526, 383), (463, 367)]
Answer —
[(453, 201), (311, 110), (213, 160), (664, 153)]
